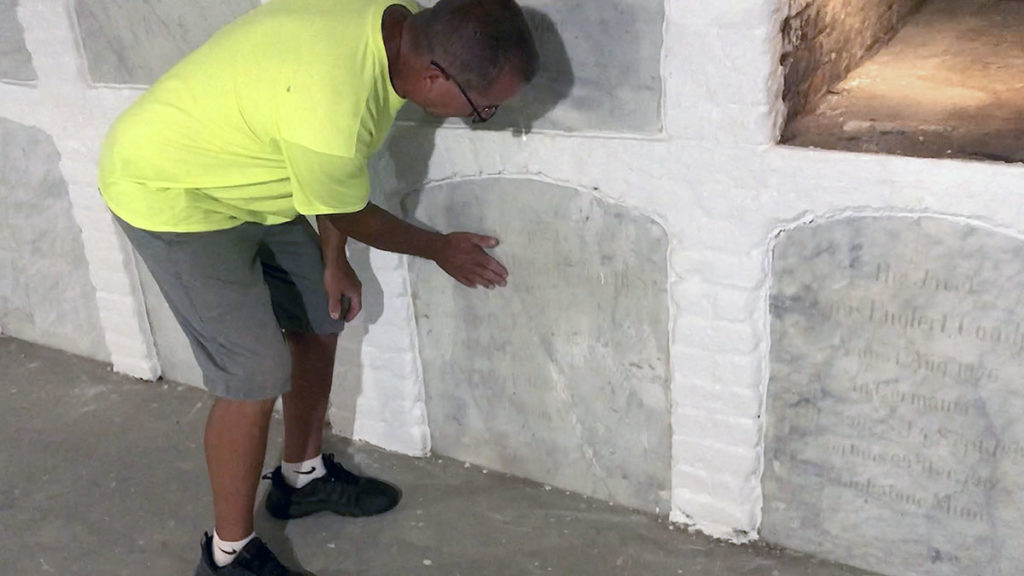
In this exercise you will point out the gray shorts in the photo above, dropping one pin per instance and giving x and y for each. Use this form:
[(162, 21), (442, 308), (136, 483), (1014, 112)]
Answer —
[(234, 291)]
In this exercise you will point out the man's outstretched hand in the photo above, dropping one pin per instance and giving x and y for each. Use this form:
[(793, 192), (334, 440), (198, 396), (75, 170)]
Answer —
[(463, 256)]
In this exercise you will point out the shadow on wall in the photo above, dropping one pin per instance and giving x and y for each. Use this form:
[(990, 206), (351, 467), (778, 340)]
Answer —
[(399, 172), (399, 165), (553, 83), (400, 168)]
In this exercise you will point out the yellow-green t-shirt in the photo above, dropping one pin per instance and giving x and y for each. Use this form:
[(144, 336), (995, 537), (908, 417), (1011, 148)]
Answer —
[(275, 116)]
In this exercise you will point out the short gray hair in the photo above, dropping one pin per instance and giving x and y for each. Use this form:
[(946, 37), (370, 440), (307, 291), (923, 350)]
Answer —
[(478, 40)]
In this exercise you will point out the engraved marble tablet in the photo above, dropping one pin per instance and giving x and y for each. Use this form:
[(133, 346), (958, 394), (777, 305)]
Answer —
[(562, 376), (895, 421), (15, 60), (136, 41)]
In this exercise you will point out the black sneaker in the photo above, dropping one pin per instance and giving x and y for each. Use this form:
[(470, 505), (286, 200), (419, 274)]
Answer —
[(339, 491), (255, 559)]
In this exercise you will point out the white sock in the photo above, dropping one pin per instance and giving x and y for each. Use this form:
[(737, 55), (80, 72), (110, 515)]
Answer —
[(224, 552), (302, 473)]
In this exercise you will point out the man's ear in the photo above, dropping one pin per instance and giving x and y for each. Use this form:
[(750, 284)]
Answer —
[(431, 77)]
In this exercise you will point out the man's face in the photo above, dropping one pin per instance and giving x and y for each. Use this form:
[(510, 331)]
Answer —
[(446, 100)]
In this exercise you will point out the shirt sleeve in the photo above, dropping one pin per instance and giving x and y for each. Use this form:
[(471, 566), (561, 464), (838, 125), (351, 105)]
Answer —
[(326, 183)]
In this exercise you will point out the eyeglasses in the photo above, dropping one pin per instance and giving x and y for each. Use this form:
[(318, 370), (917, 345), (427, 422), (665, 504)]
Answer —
[(480, 115)]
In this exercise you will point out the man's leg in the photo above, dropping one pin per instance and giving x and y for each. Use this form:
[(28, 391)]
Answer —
[(307, 480), (236, 442), (215, 288), (305, 406)]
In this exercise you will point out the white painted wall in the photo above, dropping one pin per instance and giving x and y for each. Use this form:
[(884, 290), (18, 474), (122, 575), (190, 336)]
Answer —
[(713, 178)]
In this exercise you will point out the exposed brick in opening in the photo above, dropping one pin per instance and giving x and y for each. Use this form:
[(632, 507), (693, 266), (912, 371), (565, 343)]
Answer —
[(823, 40), (944, 80)]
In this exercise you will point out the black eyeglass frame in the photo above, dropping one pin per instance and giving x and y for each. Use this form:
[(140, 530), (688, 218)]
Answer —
[(480, 115)]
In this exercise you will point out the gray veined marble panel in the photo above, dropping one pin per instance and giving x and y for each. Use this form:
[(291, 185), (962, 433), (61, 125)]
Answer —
[(600, 69), (15, 60), (562, 376), (136, 41), (895, 437), (46, 294)]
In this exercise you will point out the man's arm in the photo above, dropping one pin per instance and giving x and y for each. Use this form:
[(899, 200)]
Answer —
[(460, 254), (340, 279)]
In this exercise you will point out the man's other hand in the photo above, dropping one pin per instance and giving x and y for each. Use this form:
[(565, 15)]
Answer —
[(462, 255), (340, 280)]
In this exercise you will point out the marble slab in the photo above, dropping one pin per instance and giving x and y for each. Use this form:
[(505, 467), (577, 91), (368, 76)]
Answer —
[(15, 59), (46, 294), (894, 437), (600, 69), (136, 41), (563, 375)]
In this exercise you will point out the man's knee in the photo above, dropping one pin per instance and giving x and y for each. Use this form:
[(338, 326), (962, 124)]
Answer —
[(244, 408), (259, 377), (310, 342)]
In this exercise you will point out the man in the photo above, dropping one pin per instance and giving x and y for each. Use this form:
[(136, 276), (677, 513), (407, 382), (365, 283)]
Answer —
[(211, 174)]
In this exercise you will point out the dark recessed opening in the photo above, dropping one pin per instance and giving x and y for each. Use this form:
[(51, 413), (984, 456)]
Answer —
[(937, 79)]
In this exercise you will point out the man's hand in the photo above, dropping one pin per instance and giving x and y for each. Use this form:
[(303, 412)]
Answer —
[(462, 256), (340, 280), (341, 283)]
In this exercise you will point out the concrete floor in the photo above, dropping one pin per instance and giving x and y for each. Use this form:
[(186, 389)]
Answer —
[(948, 85), (104, 475)]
